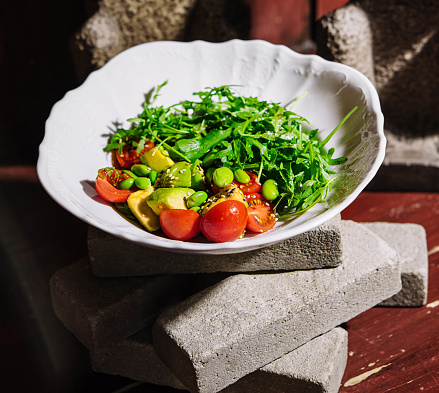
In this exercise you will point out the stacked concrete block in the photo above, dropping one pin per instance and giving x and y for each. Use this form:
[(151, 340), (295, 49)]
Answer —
[(409, 241), (316, 366), (405, 70), (244, 322), (134, 357), (89, 305), (104, 305), (101, 311), (252, 332), (318, 248)]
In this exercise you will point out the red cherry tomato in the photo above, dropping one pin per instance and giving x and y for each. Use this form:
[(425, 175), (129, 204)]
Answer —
[(252, 186), (261, 216), (180, 224), (129, 156), (106, 183), (225, 222)]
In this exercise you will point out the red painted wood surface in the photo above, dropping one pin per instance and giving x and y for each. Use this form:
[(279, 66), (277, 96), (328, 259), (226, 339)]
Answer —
[(322, 7), (397, 349), (280, 21), (289, 22)]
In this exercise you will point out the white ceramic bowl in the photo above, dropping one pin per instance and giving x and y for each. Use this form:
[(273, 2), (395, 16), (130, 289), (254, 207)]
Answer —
[(72, 150)]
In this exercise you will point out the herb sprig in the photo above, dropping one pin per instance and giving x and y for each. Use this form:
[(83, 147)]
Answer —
[(245, 133)]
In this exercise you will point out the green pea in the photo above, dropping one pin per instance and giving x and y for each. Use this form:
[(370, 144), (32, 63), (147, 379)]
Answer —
[(241, 176), (196, 199), (209, 173), (269, 190), (140, 170), (222, 176), (143, 183), (164, 151), (126, 184), (208, 159), (129, 173), (195, 208), (153, 176)]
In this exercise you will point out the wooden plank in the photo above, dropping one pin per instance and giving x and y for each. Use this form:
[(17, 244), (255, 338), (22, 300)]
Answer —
[(280, 21), (322, 7), (392, 349)]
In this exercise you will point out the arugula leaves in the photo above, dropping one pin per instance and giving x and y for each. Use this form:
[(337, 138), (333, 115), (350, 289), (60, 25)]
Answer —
[(244, 133)]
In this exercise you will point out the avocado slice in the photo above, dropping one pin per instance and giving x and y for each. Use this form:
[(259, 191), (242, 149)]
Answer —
[(177, 175), (183, 174), (156, 159), (168, 198), (198, 179), (137, 202)]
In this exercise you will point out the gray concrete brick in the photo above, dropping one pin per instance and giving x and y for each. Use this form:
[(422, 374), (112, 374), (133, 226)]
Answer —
[(246, 321), (315, 367), (99, 311), (361, 35), (134, 357), (116, 25), (113, 257), (410, 242)]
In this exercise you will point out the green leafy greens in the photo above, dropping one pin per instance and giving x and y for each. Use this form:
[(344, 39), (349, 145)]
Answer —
[(244, 133)]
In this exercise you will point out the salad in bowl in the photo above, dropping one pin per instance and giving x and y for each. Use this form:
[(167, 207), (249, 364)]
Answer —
[(222, 164), (301, 135)]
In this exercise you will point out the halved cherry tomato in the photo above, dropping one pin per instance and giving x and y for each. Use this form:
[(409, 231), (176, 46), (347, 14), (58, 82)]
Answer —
[(261, 216), (180, 224), (106, 183), (129, 156), (224, 222), (252, 186)]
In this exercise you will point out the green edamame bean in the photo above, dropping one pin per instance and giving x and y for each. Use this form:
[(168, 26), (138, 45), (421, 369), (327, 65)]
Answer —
[(209, 174), (140, 170), (153, 176), (208, 159), (129, 173), (241, 176), (143, 183), (126, 184), (196, 199), (195, 208), (269, 190), (222, 176)]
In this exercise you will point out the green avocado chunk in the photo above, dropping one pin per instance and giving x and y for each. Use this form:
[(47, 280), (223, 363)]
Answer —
[(177, 175), (182, 174), (168, 198), (198, 179)]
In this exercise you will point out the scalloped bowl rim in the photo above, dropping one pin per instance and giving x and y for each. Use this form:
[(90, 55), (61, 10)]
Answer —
[(240, 245)]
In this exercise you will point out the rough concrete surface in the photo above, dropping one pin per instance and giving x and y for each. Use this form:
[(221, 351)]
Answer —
[(88, 306), (117, 25), (134, 357), (315, 367), (113, 257), (405, 70), (246, 321), (410, 242)]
